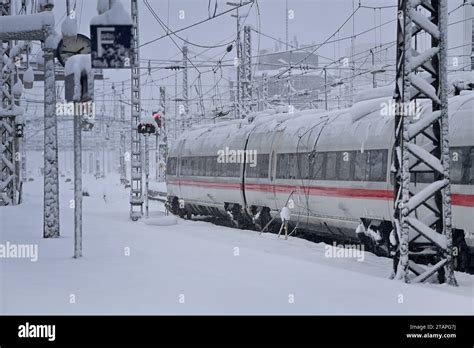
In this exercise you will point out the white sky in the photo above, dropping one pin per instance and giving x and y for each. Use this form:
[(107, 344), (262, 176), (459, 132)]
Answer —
[(314, 21)]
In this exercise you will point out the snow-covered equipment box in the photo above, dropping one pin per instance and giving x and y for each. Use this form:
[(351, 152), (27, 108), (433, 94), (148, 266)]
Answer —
[(111, 35)]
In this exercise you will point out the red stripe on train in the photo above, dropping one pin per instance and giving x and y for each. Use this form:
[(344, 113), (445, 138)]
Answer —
[(462, 200), (457, 199)]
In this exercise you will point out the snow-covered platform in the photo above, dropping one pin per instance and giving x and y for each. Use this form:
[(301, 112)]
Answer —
[(191, 267)]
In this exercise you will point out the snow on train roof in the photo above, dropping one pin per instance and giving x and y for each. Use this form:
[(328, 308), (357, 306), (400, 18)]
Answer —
[(364, 124), (461, 112)]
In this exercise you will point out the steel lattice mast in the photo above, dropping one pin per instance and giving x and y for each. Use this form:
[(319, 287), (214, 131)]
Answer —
[(136, 188), (239, 70), (163, 136), (37, 30), (265, 91), (8, 175), (185, 116), (247, 72), (421, 144)]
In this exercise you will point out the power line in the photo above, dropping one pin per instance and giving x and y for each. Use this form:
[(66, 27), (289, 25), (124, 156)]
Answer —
[(195, 24)]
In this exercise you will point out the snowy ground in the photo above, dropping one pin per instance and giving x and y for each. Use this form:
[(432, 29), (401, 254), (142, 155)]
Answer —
[(194, 263)]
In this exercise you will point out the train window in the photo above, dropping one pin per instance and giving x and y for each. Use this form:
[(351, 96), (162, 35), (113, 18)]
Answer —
[(214, 166), (208, 171), (360, 166), (202, 166), (377, 165), (197, 166), (236, 170), (458, 161), (262, 165), (219, 168), (184, 167), (231, 169), (331, 160), (344, 162), (466, 165), (282, 166), (292, 165), (317, 170), (303, 166), (471, 166), (225, 169), (171, 166), (189, 166), (251, 171), (194, 166), (260, 170)]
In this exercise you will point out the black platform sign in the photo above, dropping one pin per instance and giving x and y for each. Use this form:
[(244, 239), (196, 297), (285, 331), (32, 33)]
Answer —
[(111, 46)]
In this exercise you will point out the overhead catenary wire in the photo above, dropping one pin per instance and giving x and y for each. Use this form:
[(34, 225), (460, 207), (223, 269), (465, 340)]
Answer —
[(194, 24)]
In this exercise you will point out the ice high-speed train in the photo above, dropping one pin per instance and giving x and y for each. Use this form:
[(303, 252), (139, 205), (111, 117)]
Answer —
[(332, 168)]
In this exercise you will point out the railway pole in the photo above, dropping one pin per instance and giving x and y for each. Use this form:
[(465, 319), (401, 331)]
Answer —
[(77, 187), (136, 175), (325, 89), (265, 91), (422, 212), (157, 157), (162, 136), (123, 167), (247, 72), (147, 172), (186, 121), (176, 104), (39, 29), (374, 83), (8, 179), (238, 60)]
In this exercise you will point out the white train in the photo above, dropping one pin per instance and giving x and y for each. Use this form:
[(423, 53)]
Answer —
[(331, 168)]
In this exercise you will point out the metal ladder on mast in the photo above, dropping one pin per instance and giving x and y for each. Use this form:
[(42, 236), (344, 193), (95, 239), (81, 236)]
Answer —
[(136, 177)]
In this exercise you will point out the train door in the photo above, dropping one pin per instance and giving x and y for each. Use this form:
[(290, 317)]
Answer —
[(275, 149), (179, 167)]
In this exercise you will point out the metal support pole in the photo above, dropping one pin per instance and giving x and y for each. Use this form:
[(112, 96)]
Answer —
[(286, 25), (232, 97), (123, 168), (51, 177), (247, 72), (265, 90), (325, 89), (147, 172), (77, 187), (239, 67), (185, 117), (8, 175), (136, 189), (175, 104), (157, 156), (422, 145), (163, 136), (374, 83)]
